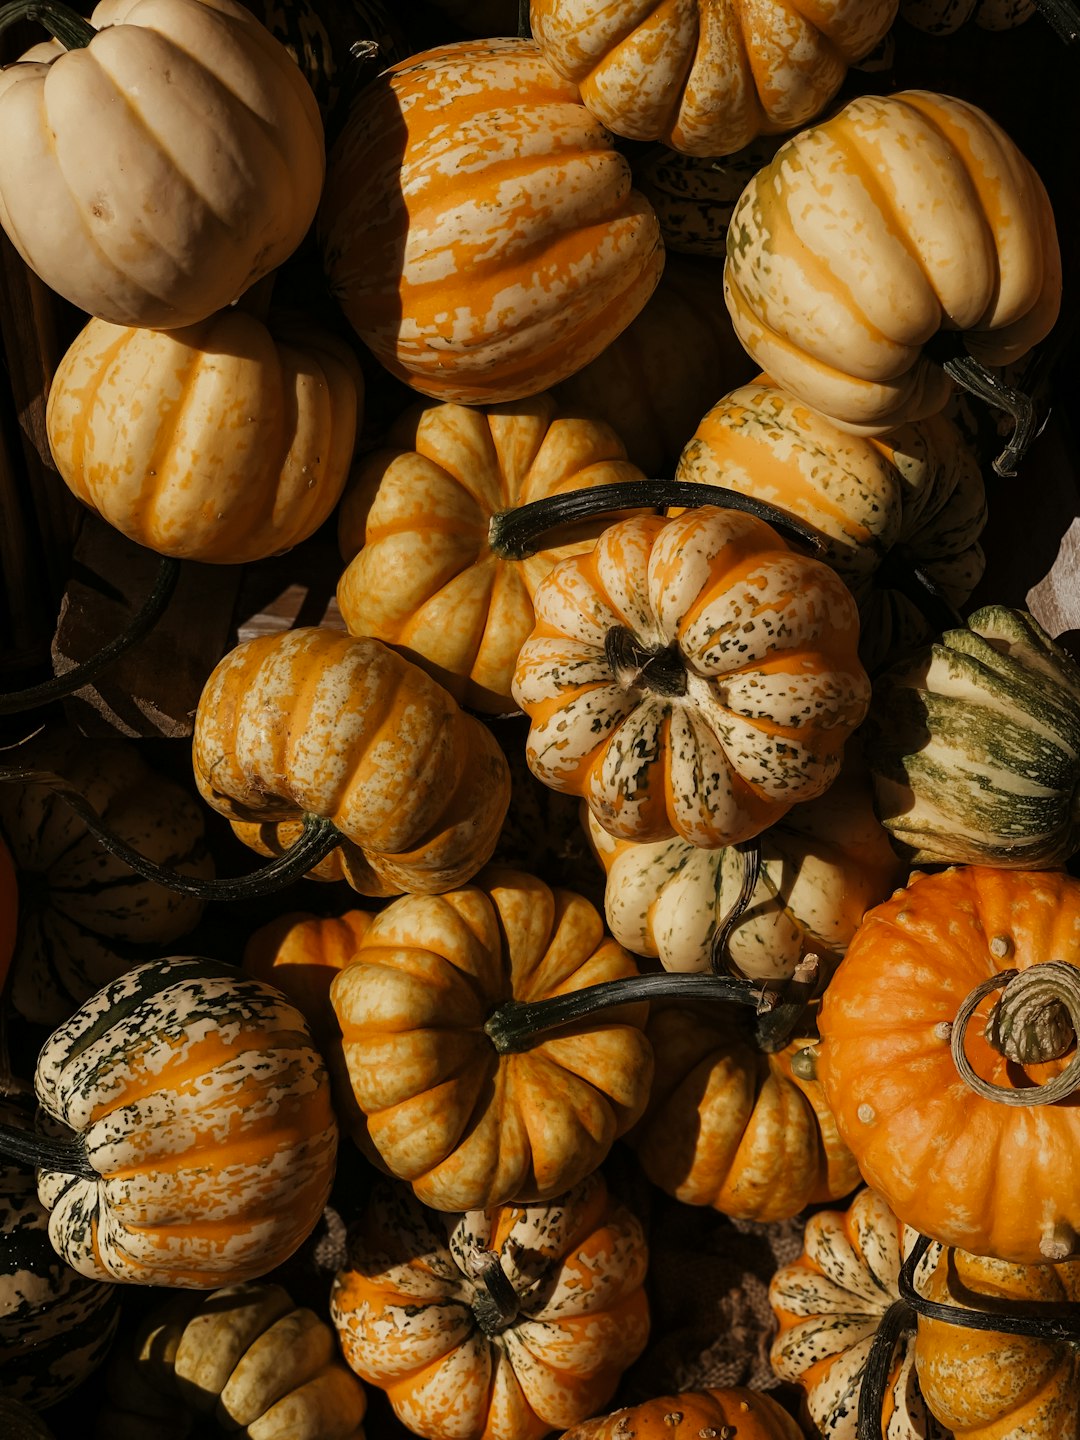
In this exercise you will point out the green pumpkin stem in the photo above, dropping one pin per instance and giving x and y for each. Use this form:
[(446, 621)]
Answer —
[(495, 1303), (13, 702), (988, 386), (1040, 1319), (27, 1147), (776, 1026), (524, 28), (659, 669), (318, 838), (515, 1025), (73, 32), (898, 1319), (720, 961), (1037, 1019), (515, 534)]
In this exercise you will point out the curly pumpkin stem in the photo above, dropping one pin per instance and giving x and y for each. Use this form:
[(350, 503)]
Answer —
[(986, 385), (720, 961), (513, 1027), (898, 1319), (318, 837), (73, 32), (495, 1303), (1040, 1319), (1036, 1019), (515, 534), (16, 701), (67, 1157)]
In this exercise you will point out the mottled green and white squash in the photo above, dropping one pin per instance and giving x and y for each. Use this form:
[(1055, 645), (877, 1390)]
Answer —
[(975, 747), (242, 1361), (694, 195), (55, 1326), (943, 17), (84, 917), (203, 1142), (829, 1305), (896, 512), (821, 867), (501, 1324)]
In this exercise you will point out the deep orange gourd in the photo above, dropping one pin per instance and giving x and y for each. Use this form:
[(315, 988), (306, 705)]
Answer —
[(961, 1166), (735, 1413), (300, 954), (478, 226), (503, 1324)]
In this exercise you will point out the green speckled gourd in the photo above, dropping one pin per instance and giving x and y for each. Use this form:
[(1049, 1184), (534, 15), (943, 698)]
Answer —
[(974, 747), (694, 195)]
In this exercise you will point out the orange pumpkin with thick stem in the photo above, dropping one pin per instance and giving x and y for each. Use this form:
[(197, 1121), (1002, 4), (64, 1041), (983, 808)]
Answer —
[(313, 722), (692, 677), (478, 226), (972, 1140)]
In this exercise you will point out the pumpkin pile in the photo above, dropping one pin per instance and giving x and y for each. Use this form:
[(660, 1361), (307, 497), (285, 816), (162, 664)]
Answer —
[(579, 835)]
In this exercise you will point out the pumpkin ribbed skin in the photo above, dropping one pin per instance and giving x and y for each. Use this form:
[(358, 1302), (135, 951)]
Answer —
[(974, 746), (822, 867), (986, 1385), (205, 1109), (157, 205), (961, 1168), (55, 1326), (408, 1307), (300, 954), (829, 1304), (414, 528), (733, 1128), (835, 285), (243, 1360), (692, 1414), (764, 688), (916, 495), (311, 721), (85, 917), (469, 1127), (695, 196), (478, 228), (654, 382), (237, 449), (706, 76)]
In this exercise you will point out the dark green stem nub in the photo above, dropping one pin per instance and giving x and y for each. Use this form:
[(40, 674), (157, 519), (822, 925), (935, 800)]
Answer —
[(495, 1303), (525, 22), (1041, 1319), (720, 961), (1037, 1019), (514, 534), (318, 837), (15, 701), (515, 1025), (786, 1018), (67, 1157), (659, 669), (73, 32), (974, 377), (1063, 17), (898, 1319)]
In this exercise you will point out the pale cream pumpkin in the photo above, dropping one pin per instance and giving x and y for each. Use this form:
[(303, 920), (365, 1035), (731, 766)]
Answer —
[(225, 441), (706, 76), (478, 226), (153, 175), (422, 573)]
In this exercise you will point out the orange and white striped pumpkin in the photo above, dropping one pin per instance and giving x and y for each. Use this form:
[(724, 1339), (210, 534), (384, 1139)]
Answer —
[(196, 1096), (466, 1125), (478, 227), (691, 677), (224, 442), (311, 721), (502, 1324), (707, 76), (836, 284), (422, 574)]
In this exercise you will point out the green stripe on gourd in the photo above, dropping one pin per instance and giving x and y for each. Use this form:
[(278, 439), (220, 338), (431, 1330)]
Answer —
[(975, 751)]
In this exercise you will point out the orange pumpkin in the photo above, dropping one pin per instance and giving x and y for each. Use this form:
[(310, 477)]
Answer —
[(733, 1128), (502, 1324), (731, 1414), (300, 954), (959, 1154), (478, 226), (422, 573), (313, 722), (692, 676)]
